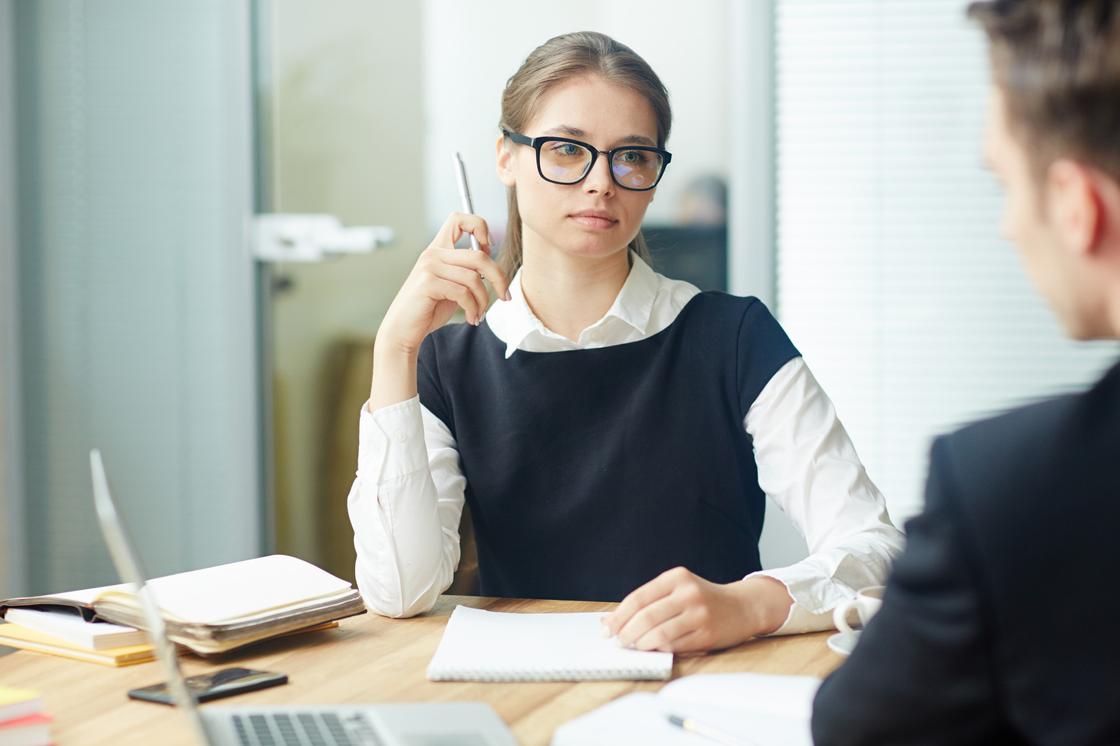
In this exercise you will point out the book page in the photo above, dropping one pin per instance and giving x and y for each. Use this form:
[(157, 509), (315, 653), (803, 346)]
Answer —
[(227, 593), (75, 599), (71, 626)]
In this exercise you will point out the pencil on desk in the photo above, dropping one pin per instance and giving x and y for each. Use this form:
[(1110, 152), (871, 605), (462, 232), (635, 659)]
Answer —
[(706, 731)]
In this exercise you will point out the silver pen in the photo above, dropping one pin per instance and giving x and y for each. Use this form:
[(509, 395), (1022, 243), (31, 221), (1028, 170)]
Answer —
[(706, 731), (465, 194)]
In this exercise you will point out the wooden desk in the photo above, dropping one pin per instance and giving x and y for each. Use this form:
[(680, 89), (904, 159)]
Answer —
[(368, 659)]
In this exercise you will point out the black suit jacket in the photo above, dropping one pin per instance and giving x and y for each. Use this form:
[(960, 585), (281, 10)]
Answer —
[(1001, 619)]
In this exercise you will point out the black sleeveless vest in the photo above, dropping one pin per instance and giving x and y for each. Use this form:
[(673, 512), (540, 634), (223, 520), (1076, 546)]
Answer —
[(589, 472)]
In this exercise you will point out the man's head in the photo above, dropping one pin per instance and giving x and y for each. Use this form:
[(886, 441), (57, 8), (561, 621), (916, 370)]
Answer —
[(1054, 141)]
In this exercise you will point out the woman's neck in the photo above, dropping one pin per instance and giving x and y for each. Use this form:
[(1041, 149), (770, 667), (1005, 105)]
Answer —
[(568, 293)]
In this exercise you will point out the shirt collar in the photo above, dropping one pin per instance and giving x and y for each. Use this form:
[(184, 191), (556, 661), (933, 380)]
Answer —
[(513, 321), (634, 304)]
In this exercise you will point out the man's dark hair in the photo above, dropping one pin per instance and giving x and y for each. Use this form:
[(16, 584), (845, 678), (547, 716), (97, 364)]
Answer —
[(1058, 65)]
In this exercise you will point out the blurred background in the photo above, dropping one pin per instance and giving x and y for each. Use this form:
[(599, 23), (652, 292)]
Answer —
[(826, 159)]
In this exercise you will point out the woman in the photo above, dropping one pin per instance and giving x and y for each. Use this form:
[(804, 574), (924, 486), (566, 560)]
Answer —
[(609, 427)]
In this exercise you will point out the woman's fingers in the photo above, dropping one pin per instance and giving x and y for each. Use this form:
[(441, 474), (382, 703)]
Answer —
[(643, 625), (457, 224), (670, 635), (453, 228), (691, 641), (443, 276), (480, 262), (441, 289), (469, 279)]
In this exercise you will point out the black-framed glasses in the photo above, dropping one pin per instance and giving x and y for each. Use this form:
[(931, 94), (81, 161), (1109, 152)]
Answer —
[(562, 160)]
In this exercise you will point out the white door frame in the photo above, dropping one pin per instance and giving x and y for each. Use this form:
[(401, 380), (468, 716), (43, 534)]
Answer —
[(751, 241), (751, 188)]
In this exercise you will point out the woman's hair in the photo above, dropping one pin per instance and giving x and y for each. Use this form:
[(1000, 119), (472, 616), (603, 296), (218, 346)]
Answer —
[(560, 59)]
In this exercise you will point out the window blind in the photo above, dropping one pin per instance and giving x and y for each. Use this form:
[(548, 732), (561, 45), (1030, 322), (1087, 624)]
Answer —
[(891, 276)]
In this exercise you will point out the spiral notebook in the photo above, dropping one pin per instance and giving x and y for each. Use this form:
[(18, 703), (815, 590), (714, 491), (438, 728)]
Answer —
[(482, 645)]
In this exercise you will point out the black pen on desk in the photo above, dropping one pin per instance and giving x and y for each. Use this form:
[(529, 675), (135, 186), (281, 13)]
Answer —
[(465, 194), (705, 731)]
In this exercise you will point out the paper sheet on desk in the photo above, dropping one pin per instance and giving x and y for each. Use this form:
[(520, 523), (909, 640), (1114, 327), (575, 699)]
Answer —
[(751, 708), (787, 696)]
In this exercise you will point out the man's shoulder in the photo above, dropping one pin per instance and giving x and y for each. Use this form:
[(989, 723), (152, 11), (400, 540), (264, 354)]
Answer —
[(1013, 433), (1035, 452)]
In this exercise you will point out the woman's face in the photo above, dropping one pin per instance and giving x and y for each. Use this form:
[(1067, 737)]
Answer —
[(595, 218)]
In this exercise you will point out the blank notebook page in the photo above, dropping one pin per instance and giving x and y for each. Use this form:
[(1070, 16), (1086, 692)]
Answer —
[(242, 590), (482, 645)]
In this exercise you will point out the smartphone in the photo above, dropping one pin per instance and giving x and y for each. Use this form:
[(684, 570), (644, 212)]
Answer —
[(214, 685)]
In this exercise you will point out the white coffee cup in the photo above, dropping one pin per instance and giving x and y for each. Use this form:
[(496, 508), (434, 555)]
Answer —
[(866, 603)]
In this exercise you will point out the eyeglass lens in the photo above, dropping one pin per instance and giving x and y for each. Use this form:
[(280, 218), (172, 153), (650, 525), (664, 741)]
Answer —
[(567, 163)]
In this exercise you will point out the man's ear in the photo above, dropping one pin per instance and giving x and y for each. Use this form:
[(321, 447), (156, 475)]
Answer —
[(505, 161), (1073, 202)]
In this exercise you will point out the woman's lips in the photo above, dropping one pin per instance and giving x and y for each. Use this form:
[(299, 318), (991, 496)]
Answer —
[(593, 221)]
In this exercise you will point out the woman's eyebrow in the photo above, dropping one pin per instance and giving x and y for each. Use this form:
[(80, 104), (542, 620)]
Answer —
[(564, 129), (638, 140)]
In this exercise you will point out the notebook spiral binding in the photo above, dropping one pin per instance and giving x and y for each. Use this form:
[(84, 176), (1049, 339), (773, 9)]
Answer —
[(552, 674)]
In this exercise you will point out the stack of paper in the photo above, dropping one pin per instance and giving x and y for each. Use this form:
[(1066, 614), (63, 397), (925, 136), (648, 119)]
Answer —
[(25, 638), (65, 632), (22, 720), (482, 645), (217, 609), (69, 625)]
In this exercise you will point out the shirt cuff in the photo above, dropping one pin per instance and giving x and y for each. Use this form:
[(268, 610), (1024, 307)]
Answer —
[(813, 599), (391, 442)]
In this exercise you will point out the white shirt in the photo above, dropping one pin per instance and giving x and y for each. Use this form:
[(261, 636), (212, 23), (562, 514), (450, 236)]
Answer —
[(408, 496)]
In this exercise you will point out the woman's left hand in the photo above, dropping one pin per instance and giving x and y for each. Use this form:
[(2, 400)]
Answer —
[(681, 612)]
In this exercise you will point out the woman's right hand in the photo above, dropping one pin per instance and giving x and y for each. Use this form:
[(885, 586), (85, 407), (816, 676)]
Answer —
[(443, 279)]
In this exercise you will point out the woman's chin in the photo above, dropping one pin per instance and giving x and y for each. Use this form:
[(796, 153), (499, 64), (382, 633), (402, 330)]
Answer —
[(599, 257), (594, 247)]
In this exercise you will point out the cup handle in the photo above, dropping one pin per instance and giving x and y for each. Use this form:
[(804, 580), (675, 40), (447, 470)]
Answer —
[(840, 616)]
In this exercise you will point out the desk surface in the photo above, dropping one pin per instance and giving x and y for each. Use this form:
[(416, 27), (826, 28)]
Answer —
[(368, 659)]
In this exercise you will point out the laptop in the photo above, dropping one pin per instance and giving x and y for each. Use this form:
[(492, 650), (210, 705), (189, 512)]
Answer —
[(418, 724)]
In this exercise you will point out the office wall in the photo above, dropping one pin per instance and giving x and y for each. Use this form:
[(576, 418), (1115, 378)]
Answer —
[(135, 187), (12, 564)]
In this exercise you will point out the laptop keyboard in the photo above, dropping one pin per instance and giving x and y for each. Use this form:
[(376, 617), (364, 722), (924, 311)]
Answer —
[(304, 729)]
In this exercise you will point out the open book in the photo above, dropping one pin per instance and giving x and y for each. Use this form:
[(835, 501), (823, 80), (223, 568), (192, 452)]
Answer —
[(217, 609), (736, 708)]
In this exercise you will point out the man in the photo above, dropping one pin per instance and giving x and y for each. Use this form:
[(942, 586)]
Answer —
[(1001, 620)]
